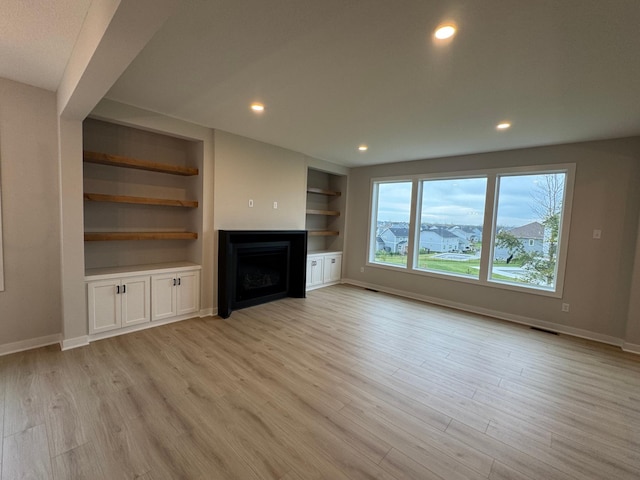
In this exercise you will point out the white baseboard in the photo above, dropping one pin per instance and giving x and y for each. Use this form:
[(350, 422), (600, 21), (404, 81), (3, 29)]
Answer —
[(529, 321), (29, 344), (68, 344), (322, 285), (631, 347), (208, 312)]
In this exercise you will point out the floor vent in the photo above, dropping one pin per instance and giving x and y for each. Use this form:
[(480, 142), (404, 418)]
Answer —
[(538, 329)]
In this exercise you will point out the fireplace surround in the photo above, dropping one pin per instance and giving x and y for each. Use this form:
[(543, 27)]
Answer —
[(259, 266)]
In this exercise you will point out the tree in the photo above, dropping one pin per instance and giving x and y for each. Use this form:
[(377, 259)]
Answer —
[(505, 239), (547, 200), (548, 195)]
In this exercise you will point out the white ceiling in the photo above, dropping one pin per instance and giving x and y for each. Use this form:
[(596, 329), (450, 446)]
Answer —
[(37, 37), (337, 73)]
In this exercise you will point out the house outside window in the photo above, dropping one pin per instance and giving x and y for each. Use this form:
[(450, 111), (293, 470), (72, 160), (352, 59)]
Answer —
[(391, 213)]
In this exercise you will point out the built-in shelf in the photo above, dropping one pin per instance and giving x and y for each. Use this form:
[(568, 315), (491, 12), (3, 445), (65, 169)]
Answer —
[(128, 162), (117, 236), (99, 197), (323, 233), (323, 212), (322, 191)]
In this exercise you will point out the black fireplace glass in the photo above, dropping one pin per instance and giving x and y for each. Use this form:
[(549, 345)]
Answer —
[(262, 270)]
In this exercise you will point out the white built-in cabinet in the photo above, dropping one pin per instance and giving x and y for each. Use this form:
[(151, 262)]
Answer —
[(118, 302), (332, 268), (175, 294), (122, 297), (323, 269), (314, 271)]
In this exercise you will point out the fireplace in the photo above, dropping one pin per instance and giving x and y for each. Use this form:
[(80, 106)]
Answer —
[(259, 266), (262, 270)]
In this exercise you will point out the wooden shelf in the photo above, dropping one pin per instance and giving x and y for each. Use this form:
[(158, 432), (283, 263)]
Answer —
[(127, 162), (323, 212), (322, 191), (116, 236), (323, 233), (99, 197)]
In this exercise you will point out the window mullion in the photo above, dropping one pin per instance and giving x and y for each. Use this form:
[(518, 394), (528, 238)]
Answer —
[(416, 194), (488, 228)]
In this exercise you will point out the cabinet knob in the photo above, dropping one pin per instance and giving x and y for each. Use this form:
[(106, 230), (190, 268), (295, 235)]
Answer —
[(314, 263), (124, 289), (333, 260), (117, 289)]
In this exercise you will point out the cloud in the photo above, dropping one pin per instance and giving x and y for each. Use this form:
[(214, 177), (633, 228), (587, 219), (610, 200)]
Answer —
[(462, 201)]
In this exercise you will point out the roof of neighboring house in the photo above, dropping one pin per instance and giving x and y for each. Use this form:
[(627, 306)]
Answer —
[(533, 230), (399, 231), (441, 231)]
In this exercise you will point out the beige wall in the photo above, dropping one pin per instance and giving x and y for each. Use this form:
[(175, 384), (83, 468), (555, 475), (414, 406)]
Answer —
[(598, 274), (30, 305), (632, 336), (248, 169), (74, 308)]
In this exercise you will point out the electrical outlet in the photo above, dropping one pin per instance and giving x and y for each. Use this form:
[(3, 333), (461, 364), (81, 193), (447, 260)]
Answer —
[(565, 307), (251, 203), (597, 234), (361, 269), (275, 204)]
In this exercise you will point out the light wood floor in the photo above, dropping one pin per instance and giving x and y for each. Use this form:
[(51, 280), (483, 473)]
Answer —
[(347, 384)]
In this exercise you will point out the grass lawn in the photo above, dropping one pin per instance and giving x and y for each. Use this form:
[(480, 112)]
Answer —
[(428, 261)]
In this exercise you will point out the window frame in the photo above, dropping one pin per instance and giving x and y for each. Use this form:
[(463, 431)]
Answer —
[(373, 210), (488, 224)]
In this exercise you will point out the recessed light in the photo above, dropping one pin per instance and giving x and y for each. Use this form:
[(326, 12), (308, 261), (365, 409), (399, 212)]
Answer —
[(445, 31), (363, 148), (257, 107), (503, 125)]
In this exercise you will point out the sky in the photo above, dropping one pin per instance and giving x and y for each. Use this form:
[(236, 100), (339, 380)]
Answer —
[(461, 201)]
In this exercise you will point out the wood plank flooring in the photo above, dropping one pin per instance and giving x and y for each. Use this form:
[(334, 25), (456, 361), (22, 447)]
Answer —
[(346, 384)]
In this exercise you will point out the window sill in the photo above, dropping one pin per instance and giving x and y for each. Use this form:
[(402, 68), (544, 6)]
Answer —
[(462, 279)]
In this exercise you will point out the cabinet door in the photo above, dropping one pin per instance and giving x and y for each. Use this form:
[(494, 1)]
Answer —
[(314, 271), (103, 301), (188, 291), (163, 296), (332, 268), (136, 301)]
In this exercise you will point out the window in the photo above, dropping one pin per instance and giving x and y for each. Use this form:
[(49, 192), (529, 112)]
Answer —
[(528, 227), (391, 214), (506, 228), (450, 233)]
